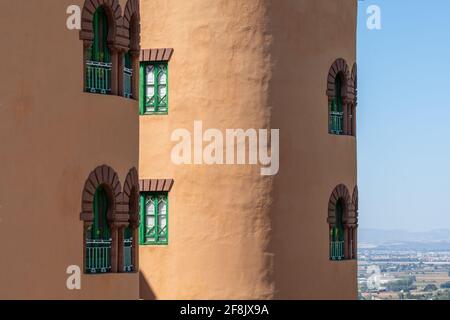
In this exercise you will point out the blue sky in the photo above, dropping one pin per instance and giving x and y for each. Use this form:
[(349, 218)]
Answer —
[(404, 115)]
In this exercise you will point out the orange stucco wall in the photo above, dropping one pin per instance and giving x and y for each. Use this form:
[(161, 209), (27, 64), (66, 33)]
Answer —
[(233, 233), (249, 64), (53, 135)]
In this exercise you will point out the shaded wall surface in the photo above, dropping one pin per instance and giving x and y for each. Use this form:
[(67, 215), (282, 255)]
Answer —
[(53, 135)]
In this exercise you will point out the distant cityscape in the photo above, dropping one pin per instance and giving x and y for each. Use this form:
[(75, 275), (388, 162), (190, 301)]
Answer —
[(395, 265)]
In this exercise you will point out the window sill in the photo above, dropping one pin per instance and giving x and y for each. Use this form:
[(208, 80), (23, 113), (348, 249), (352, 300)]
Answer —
[(341, 260), (108, 94), (341, 135), (160, 244), (155, 114)]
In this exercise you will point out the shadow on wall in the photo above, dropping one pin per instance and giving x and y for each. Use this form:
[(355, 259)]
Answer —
[(300, 235), (145, 290)]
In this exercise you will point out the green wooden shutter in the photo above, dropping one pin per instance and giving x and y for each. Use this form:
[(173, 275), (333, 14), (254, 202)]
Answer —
[(162, 219), (100, 50), (156, 103), (95, 49), (100, 230), (339, 236), (338, 94), (106, 55), (142, 93), (143, 220)]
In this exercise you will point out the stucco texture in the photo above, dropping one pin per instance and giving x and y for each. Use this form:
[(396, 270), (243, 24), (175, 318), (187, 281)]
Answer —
[(53, 135), (234, 234)]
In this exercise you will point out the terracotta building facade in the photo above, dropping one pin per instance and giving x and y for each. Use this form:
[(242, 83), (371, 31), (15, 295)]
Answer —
[(88, 175), (70, 127)]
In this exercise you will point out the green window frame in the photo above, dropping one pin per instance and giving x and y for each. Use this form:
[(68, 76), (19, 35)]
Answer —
[(98, 242), (336, 109), (100, 50), (100, 229), (98, 63), (154, 88), (337, 233), (154, 211)]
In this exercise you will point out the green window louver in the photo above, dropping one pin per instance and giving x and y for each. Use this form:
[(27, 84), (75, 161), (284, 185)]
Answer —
[(98, 243), (154, 96), (100, 228), (337, 233), (154, 219), (336, 109), (100, 51), (127, 250), (127, 75), (98, 63)]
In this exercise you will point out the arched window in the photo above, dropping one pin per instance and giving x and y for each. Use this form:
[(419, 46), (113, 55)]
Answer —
[(337, 233), (111, 44), (341, 92), (336, 108), (352, 107), (127, 76), (98, 65), (130, 234), (130, 58), (98, 244), (353, 224), (130, 262), (342, 236), (101, 220)]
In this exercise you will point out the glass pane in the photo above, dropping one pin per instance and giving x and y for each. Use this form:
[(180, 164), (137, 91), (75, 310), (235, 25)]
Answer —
[(150, 214), (162, 78), (150, 221), (150, 92), (162, 220), (162, 91), (150, 74)]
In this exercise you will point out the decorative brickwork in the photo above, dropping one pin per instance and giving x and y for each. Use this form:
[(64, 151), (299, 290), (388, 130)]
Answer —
[(113, 11), (354, 82), (355, 201), (339, 68), (340, 192), (349, 221), (348, 93), (123, 37), (131, 25), (123, 211), (108, 178), (156, 185), (153, 55), (354, 224)]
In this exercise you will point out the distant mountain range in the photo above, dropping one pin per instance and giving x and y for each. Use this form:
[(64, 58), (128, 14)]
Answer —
[(400, 239)]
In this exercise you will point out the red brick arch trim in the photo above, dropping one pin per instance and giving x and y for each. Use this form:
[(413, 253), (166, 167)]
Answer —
[(339, 68), (160, 54), (355, 201), (355, 76), (113, 11), (130, 202), (131, 27), (354, 82), (156, 185), (355, 198), (340, 192), (130, 196), (102, 176)]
